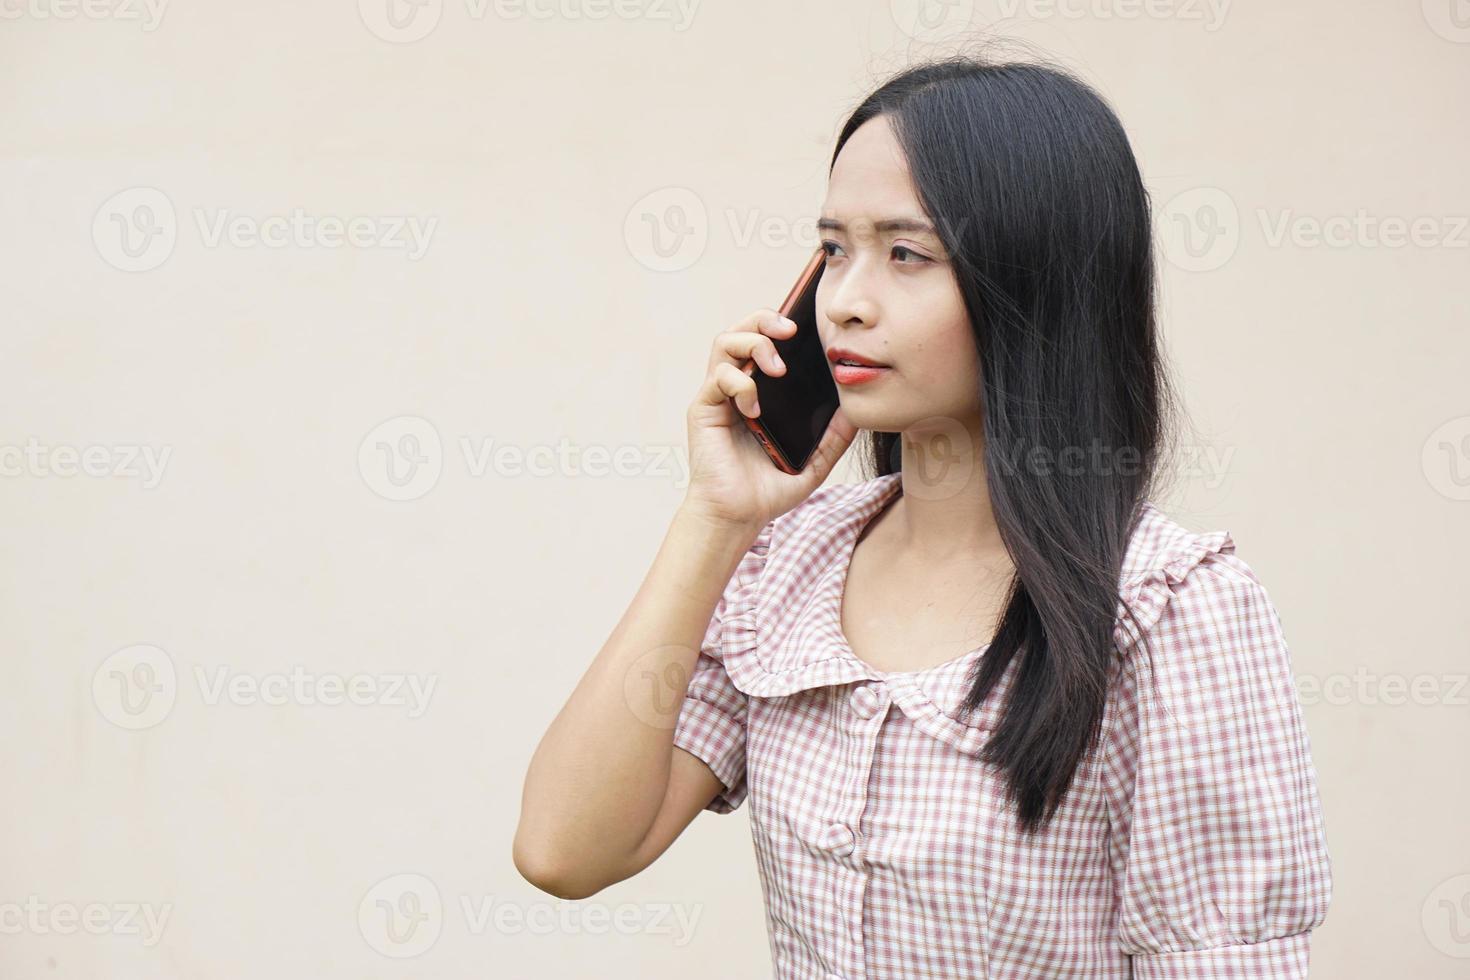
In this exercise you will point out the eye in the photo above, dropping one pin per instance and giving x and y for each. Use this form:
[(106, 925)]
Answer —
[(916, 255), (825, 243)]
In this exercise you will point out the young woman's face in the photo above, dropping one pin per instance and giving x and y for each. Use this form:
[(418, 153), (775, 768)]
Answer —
[(889, 294)]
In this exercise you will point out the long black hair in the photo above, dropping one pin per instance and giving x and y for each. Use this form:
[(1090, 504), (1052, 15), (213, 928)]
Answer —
[(1033, 188)]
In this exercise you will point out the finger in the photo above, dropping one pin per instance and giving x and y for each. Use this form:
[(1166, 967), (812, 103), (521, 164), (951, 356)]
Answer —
[(835, 441), (727, 381), (742, 346), (769, 322), (762, 322)]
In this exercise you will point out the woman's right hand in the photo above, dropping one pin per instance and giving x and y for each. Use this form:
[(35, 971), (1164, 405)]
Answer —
[(731, 479)]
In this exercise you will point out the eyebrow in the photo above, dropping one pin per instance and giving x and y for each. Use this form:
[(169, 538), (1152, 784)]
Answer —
[(886, 225)]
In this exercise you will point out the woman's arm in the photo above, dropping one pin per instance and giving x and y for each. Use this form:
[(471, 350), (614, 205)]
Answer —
[(606, 792)]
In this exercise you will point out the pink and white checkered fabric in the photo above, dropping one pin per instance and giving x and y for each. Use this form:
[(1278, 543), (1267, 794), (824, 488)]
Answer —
[(1190, 845)]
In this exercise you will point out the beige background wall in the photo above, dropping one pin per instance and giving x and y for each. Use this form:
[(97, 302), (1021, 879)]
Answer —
[(584, 190)]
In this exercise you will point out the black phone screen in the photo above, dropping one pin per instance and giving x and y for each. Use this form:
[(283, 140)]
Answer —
[(797, 406)]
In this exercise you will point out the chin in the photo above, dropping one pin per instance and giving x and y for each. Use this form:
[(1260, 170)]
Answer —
[(869, 413), (878, 414)]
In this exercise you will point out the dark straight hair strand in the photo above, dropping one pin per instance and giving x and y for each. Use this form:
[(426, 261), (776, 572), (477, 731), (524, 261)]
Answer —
[(1034, 191)]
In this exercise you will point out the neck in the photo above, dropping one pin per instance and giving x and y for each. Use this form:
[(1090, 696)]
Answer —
[(944, 511)]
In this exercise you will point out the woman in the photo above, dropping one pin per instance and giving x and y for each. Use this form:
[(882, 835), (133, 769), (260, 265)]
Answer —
[(996, 713)]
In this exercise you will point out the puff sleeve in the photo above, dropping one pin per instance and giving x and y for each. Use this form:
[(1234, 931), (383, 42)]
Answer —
[(711, 722), (1216, 836)]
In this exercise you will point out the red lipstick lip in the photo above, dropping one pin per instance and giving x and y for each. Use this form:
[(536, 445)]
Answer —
[(836, 354)]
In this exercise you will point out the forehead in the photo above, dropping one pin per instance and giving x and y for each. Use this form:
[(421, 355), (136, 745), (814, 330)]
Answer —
[(871, 177)]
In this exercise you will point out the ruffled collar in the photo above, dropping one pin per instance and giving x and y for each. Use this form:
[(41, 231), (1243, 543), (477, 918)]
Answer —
[(785, 635), (782, 631)]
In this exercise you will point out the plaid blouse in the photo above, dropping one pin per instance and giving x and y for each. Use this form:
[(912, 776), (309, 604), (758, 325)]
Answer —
[(1190, 845)]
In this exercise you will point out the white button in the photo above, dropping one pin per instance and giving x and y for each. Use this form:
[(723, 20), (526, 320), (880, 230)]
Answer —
[(841, 839), (865, 701)]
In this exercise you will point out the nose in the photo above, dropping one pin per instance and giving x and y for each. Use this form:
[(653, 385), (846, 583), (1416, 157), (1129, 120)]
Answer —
[(850, 295)]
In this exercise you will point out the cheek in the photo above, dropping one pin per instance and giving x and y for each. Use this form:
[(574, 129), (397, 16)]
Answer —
[(950, 341), (948, 356), (948, 332)]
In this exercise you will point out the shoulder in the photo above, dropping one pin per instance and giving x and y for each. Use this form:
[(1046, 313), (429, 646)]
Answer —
[(1210, 792), (1203, 659), (1195, 578), (1159, 545)]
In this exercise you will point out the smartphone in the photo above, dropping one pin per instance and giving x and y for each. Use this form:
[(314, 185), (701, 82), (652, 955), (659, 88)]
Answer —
[(796, 407)]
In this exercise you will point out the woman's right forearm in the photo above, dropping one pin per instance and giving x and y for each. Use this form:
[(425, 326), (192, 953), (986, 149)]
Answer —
[(598, 777)]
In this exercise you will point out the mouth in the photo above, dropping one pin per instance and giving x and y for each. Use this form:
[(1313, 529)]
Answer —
[(839, 355), (850, 368)]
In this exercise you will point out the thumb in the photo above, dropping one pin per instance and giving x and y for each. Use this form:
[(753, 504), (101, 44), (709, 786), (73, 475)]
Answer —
[(835, 441)]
